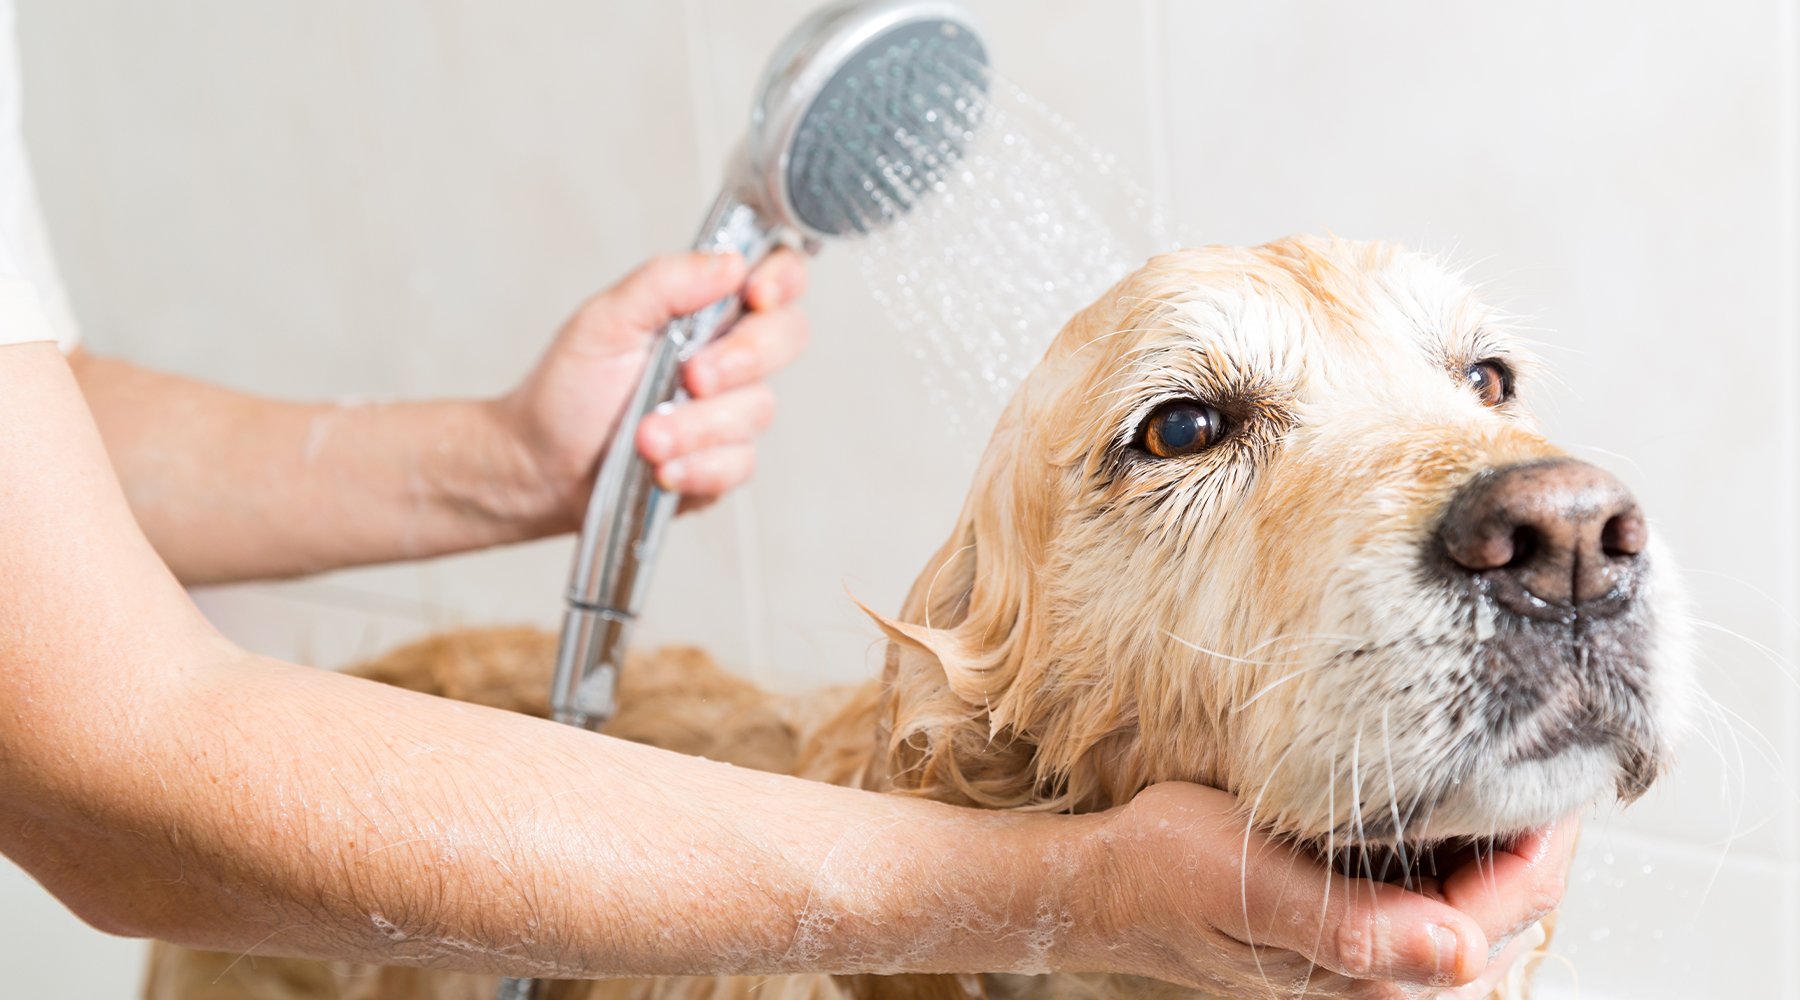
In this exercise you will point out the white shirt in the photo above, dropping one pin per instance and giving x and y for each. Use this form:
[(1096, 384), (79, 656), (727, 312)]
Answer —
[(32, 303)]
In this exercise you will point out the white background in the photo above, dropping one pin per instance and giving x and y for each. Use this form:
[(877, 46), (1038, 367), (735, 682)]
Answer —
[(343, 197)]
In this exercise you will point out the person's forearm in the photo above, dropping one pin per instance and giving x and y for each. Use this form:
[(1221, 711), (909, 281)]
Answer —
[(229, 486), (161, 782), (324, 816)]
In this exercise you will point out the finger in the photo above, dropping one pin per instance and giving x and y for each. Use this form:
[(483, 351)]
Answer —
[(666, 287), (708, 473), (760, 345), (1508, 890), (1355, 927), (733, 418), (1497, 970), (777, 281)]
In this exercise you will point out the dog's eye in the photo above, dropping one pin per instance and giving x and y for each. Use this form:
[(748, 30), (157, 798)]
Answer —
[(1184, 427), (1491, 380)]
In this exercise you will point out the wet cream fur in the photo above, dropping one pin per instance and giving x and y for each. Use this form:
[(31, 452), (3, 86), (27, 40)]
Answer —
[(1254, 618)]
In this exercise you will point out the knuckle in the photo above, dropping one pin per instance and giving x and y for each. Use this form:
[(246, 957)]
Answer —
[(595, 307), (1353, 945), (684, 437), (1545, 895), (658, 274), (762, 407)]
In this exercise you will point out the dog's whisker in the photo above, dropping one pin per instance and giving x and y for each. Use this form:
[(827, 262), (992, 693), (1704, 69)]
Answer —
[(935, 577), (1738, 805), (1768, 600), (1357, 830), (1244, 864), (1330, 854), (1769, 654), (1279, 681), (1387, 743), (1246, 660)]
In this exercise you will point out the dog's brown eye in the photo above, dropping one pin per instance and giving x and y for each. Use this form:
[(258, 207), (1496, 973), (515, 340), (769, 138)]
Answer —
[(1491, 380), (1184, 427)]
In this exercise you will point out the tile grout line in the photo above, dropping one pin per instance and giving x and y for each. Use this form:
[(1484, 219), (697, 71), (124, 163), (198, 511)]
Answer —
[(1156, 85), (1714, 855), (1788, 157), (710, 155)]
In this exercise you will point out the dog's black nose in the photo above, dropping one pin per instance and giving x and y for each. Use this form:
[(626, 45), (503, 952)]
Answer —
[(1552, 535)]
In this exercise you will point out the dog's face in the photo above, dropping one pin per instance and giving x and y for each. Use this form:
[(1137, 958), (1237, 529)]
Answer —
[(1275, 520)]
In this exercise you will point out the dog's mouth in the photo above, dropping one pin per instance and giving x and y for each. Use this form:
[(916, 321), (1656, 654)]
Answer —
[(1422, 866), (1550, 689)]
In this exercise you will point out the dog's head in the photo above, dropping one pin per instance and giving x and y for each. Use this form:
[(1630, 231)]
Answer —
[(1275, 520)]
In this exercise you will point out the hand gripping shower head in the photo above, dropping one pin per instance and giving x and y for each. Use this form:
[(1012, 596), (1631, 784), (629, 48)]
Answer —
[(862, 112)]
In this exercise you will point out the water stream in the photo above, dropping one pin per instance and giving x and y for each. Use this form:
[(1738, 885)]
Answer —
[(991, 229)]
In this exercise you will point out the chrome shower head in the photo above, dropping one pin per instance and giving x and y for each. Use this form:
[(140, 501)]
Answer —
[(861, 112)]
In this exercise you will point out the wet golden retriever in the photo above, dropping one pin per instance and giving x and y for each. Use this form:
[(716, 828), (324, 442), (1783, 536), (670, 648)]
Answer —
[(1270, 519)]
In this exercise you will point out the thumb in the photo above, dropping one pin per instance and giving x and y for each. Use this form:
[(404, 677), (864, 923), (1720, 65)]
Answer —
[(666, 287)]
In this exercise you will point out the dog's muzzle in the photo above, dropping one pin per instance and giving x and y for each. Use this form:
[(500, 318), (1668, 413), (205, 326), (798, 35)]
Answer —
[(1554, 550)]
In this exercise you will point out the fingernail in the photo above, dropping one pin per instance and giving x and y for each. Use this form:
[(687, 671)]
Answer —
[(705, 378), (1446, 954), (722, 260), (670, 475)]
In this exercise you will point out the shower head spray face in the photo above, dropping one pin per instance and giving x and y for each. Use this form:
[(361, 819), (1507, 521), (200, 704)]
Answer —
[(863, 111)]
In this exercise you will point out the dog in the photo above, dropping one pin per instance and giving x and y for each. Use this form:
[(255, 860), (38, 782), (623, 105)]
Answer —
[(1270, 519)]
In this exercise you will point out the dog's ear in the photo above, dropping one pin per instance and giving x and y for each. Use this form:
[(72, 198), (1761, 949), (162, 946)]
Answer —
[(956, 718), (989, 696)]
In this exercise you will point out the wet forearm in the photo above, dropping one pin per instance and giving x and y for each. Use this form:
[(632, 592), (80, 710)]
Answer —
[(229, 486), (311, 814)]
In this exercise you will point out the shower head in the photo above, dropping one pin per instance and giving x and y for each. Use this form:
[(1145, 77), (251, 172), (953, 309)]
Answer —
[(861, 112)]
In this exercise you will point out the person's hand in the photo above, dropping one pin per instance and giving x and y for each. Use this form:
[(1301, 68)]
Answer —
[(564, 414), (1191, 899), (1509, 893)]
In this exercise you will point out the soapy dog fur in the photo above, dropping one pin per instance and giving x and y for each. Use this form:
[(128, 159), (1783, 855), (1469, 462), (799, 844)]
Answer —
[(1269, 612)]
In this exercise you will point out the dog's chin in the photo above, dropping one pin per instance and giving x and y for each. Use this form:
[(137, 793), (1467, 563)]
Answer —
[(1479, 815), (1523, 794)]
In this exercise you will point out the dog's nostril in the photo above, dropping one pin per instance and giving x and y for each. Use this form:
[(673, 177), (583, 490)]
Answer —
[(1525, 544), (1624, 535)]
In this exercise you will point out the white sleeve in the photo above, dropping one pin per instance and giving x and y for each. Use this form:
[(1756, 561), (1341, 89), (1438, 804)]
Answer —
[(32, 303)]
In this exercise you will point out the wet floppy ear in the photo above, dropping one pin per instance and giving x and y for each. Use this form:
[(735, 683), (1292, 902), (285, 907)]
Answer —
[(966, 622), (942, 632), (954, 715)]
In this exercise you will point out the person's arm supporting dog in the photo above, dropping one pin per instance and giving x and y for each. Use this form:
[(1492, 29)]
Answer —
[(164, 783), (231, 486)]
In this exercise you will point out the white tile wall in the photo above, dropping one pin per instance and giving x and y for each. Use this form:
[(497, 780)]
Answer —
[(331, 198)]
